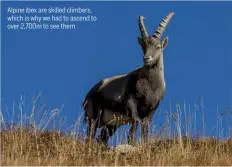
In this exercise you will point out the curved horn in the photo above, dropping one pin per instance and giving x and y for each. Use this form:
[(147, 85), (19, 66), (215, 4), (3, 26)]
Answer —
[(158, 33), (142, 28)]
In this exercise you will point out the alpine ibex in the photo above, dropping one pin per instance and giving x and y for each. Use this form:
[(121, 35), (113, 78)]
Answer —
[(130, 98)]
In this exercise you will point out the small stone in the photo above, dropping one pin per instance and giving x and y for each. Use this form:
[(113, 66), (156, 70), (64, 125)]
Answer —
[(125, 148)]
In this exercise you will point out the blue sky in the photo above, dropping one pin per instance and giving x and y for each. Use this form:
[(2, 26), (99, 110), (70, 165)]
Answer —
[(64, 65)]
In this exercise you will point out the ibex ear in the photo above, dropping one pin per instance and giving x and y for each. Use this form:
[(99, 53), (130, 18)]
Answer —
[(164, 43), (140, 41)]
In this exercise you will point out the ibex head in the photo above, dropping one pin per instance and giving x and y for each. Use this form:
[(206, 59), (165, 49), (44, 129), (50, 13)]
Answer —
[(152, 45)]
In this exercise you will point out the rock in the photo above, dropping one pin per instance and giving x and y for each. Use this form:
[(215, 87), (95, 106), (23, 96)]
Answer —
[(125, 148)]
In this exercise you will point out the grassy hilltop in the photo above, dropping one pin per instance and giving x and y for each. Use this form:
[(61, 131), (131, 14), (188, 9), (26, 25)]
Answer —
[(34, 145)]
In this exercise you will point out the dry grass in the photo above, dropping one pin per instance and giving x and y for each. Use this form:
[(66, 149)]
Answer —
[(23, 145)]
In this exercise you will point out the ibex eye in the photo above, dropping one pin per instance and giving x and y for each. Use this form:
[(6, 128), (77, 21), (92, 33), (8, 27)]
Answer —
[(158, 47)]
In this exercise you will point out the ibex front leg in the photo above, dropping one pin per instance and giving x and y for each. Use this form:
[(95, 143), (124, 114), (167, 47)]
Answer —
[(144, 131), (132, 134), (145, 126), (132, 108)]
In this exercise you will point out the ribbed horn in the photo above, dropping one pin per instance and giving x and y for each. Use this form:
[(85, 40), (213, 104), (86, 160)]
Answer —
[(142, 28), (158, 33)]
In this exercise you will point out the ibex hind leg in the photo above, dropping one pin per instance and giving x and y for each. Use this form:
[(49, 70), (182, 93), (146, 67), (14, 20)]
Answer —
[(106, 133), (91, 130), (93, 124), (90, 116)]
